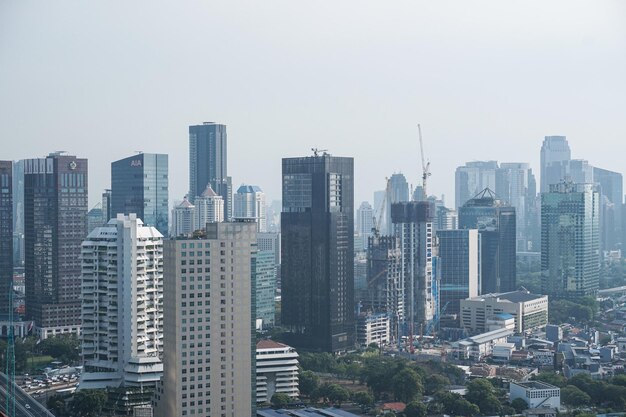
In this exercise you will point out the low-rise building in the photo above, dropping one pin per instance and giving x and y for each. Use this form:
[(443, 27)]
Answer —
[(373, 328), (276, 370), (536, 394), (481, 345)]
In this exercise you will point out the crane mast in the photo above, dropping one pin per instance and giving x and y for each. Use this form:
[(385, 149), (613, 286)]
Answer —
[(425, 164)]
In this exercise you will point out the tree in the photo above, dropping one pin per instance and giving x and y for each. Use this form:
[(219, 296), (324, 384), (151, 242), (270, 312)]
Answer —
[(434, 383), (407, 385), (451, 403), (88, 402), (337, 394), (363, 399), (62, 347), (353, 371), (280, 400), (415, 409), (481, 392), (520, 405), (56, 404), (308, 382), (551, 378), (574, 396)]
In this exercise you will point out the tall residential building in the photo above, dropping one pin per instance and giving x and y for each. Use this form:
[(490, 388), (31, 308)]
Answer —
[(459, 260), (208, 323), (317, 228), (107, 210), (139, 184), (496, 223), (55, 206), (250, 204), (515, 183), (364, 224), (208, 163), (184, 219), (570, 242), (265, 288), (209, 207), (18, 213), (473, 177), (276, 370), (6, 235), (554, 149), (413, 226), (122, 305)]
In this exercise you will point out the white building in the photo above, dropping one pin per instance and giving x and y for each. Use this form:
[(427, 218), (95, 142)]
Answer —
[(122, 290), (208, 340), (364, 225), (209, 208), (529, 310), (249, 203), (481, 345), (276, 370), (373, 328), (536, 394), (183, 218)]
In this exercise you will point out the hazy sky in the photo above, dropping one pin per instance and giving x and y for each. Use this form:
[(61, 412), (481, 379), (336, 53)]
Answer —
[(486, 79)]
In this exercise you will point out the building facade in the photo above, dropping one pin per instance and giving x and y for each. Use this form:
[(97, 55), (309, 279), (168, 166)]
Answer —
[(570, 242), (184, 219), (536, 394), (364, 225), (554, 150), (317, 229), (373, 328), (472, 178), (265, 288), (276, 370), (55, 208), (208, 323), (209, 207), (139, 184), (122, 305), (249, 202), (6, 236), (18, 213), (208, 163)]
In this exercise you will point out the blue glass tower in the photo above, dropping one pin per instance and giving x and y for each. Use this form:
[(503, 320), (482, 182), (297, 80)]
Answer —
[(139, 184)]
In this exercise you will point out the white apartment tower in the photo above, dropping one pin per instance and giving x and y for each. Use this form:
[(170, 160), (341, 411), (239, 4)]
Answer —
[(184, 218), (122, 310), (250, 204), (209, 208), (209, 319), (276, 370)]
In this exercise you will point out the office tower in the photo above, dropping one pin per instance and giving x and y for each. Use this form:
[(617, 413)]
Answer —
[(447, 219), (413, 226), (122, 310), (139, 184), (273, 216), (515, 184), (397, 192), (249, 203), (208, 163), (570, 262), (364, 224), (208, 343), (473, 177), (459, 260), (55, 205), (18, 213), (107, 211), (265, 288), (270, 242), (317, 251), (184, 219), (610, 186), (496, 223), (209, 207), (385, 283), (276, 370), (94, 218), (6, 235), (554, 149)]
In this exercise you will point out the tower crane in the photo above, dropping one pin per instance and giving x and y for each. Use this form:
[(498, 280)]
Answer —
[(383, 208), (425, 164)]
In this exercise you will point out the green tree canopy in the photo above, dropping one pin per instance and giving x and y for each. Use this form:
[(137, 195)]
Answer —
[(407, 385), (280, 400), (434, 383), (308, 382), (519, 405), (573, 396), (88, 402), (415, 409)]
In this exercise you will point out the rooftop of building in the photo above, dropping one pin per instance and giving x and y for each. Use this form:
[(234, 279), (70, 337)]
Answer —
[(249, 189), (208, 192), (270, 344), (305, 412), (488, 336), (534, 385), (520, 296)]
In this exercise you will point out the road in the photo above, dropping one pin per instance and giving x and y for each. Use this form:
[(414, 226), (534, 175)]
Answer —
[(21, 400)]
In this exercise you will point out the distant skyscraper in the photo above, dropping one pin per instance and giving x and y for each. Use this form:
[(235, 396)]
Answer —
[(107, 210), (447, 219), (249, 202), (6, 235), (496, 223), (555, 149), (610, 185), (515, 184), (55, 208), (209, 315), (459, 260), (184, 219), (398, 192), (270, 242), (209, 208), (208, 163), (413, 226), (570, 262), (122, 323), (473, 177), (364, 224), (94, 218), (317, 251), (266, 288), (18, 213), (139, 184)]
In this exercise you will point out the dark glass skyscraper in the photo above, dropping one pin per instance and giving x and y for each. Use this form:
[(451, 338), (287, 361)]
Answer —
[(55, 208), (6, 234), (208, 163), (317, 226), (495, 222), (139, 184)]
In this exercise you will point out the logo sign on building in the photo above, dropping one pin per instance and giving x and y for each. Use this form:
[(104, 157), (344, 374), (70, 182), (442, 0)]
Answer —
[(135, 163)]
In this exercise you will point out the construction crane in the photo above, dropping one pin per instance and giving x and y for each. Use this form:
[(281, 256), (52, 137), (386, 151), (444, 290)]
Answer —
[(316, 152), (376, 221), (425, 164)]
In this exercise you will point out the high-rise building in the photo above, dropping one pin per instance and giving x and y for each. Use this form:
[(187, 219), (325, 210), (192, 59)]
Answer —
[(473, 177), (209, 317), (107, 210), (265, 288), (139, 184), (397, 192), (18, 213), (447, 219), (496, 223), (184, 219), (364, 224), (459, 260), (515, 184), (270, 242), (317, 228), (413, 226), (122, 310), (276, 370), (209, 207), (6, 235), (570, 242), (554, 150), (610, 186), (55, 208), (94, 218), (208, 163), (249, 202)]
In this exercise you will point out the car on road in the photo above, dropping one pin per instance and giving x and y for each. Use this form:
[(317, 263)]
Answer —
[(27, 406)]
